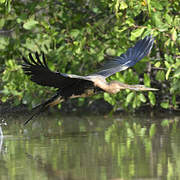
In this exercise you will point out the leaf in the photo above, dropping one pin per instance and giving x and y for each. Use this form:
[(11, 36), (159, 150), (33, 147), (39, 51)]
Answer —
[(158, 64), (158, 22), (149, 6), (74, 33), (167, 42), (2, 22), (95, 10), (136, 33), (177, 73), (152, 98), (168, 19), (129, 97), (142, 98), (165, 105), (163, 27), (156, 19), (167, 74), (2, 1), (8, 6), (123, 5), (136, 102), (167, 64), (111, 52), (109, 99), (173, 34), (147, 80), (160, 76), (3, 42), (30, 24)]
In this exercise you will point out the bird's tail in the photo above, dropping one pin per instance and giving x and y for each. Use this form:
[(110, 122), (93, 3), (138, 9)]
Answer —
[(56, 99)]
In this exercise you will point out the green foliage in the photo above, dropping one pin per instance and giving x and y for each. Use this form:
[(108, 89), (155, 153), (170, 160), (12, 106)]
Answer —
[(76, 36)]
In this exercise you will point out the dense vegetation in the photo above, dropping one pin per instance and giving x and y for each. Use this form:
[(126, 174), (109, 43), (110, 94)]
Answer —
[(77, 36)]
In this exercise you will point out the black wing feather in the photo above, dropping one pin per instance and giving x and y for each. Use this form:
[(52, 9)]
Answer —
[(38, 59), (32, 59), (42, 75), (44, 60), (128, 59)]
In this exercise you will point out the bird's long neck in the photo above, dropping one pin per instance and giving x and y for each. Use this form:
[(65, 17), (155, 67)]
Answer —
[(115, 87), (107, 87)]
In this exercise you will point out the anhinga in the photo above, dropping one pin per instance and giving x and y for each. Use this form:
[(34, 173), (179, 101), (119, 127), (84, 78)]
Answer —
[(73, 86)]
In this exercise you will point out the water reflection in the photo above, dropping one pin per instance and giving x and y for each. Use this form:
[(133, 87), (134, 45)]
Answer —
[(91, 148)]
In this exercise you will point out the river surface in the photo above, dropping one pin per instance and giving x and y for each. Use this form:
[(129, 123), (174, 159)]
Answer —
[(119, 147)]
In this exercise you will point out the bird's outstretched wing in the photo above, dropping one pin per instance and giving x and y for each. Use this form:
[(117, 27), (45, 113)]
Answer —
[(40, 73), (128, 59)]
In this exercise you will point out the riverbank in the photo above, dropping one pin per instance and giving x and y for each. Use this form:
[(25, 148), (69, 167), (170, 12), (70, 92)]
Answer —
[(97, 107)]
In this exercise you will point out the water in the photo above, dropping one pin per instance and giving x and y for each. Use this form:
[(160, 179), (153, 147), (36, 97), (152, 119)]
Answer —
[(56, 147)]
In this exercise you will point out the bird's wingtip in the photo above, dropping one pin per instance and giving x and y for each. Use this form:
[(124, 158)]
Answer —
[(150, 37)]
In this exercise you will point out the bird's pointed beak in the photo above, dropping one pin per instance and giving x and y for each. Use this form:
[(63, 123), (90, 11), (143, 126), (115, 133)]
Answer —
[(143, 88), (148, 89)]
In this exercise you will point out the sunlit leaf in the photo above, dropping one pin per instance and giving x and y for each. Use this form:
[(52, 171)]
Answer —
[(136, 33), (173, 34), (163, 27), (2, 1), (165, 105), (157, 19), (152, 98), (147, 81), (167, 42), (160, 76), (111, 52), (142, 98), (108, 98), (167, 73), (158, 64), (167, 64), (74, 33), (168, 18), (129, 97), (177, 73), (136, 102), (123, 5), (31, 23)]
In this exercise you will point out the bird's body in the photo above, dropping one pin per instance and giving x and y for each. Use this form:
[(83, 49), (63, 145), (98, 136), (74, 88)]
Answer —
[(74, 86)]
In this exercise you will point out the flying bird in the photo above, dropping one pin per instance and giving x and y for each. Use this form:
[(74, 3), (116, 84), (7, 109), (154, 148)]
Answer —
[(74, 86)]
